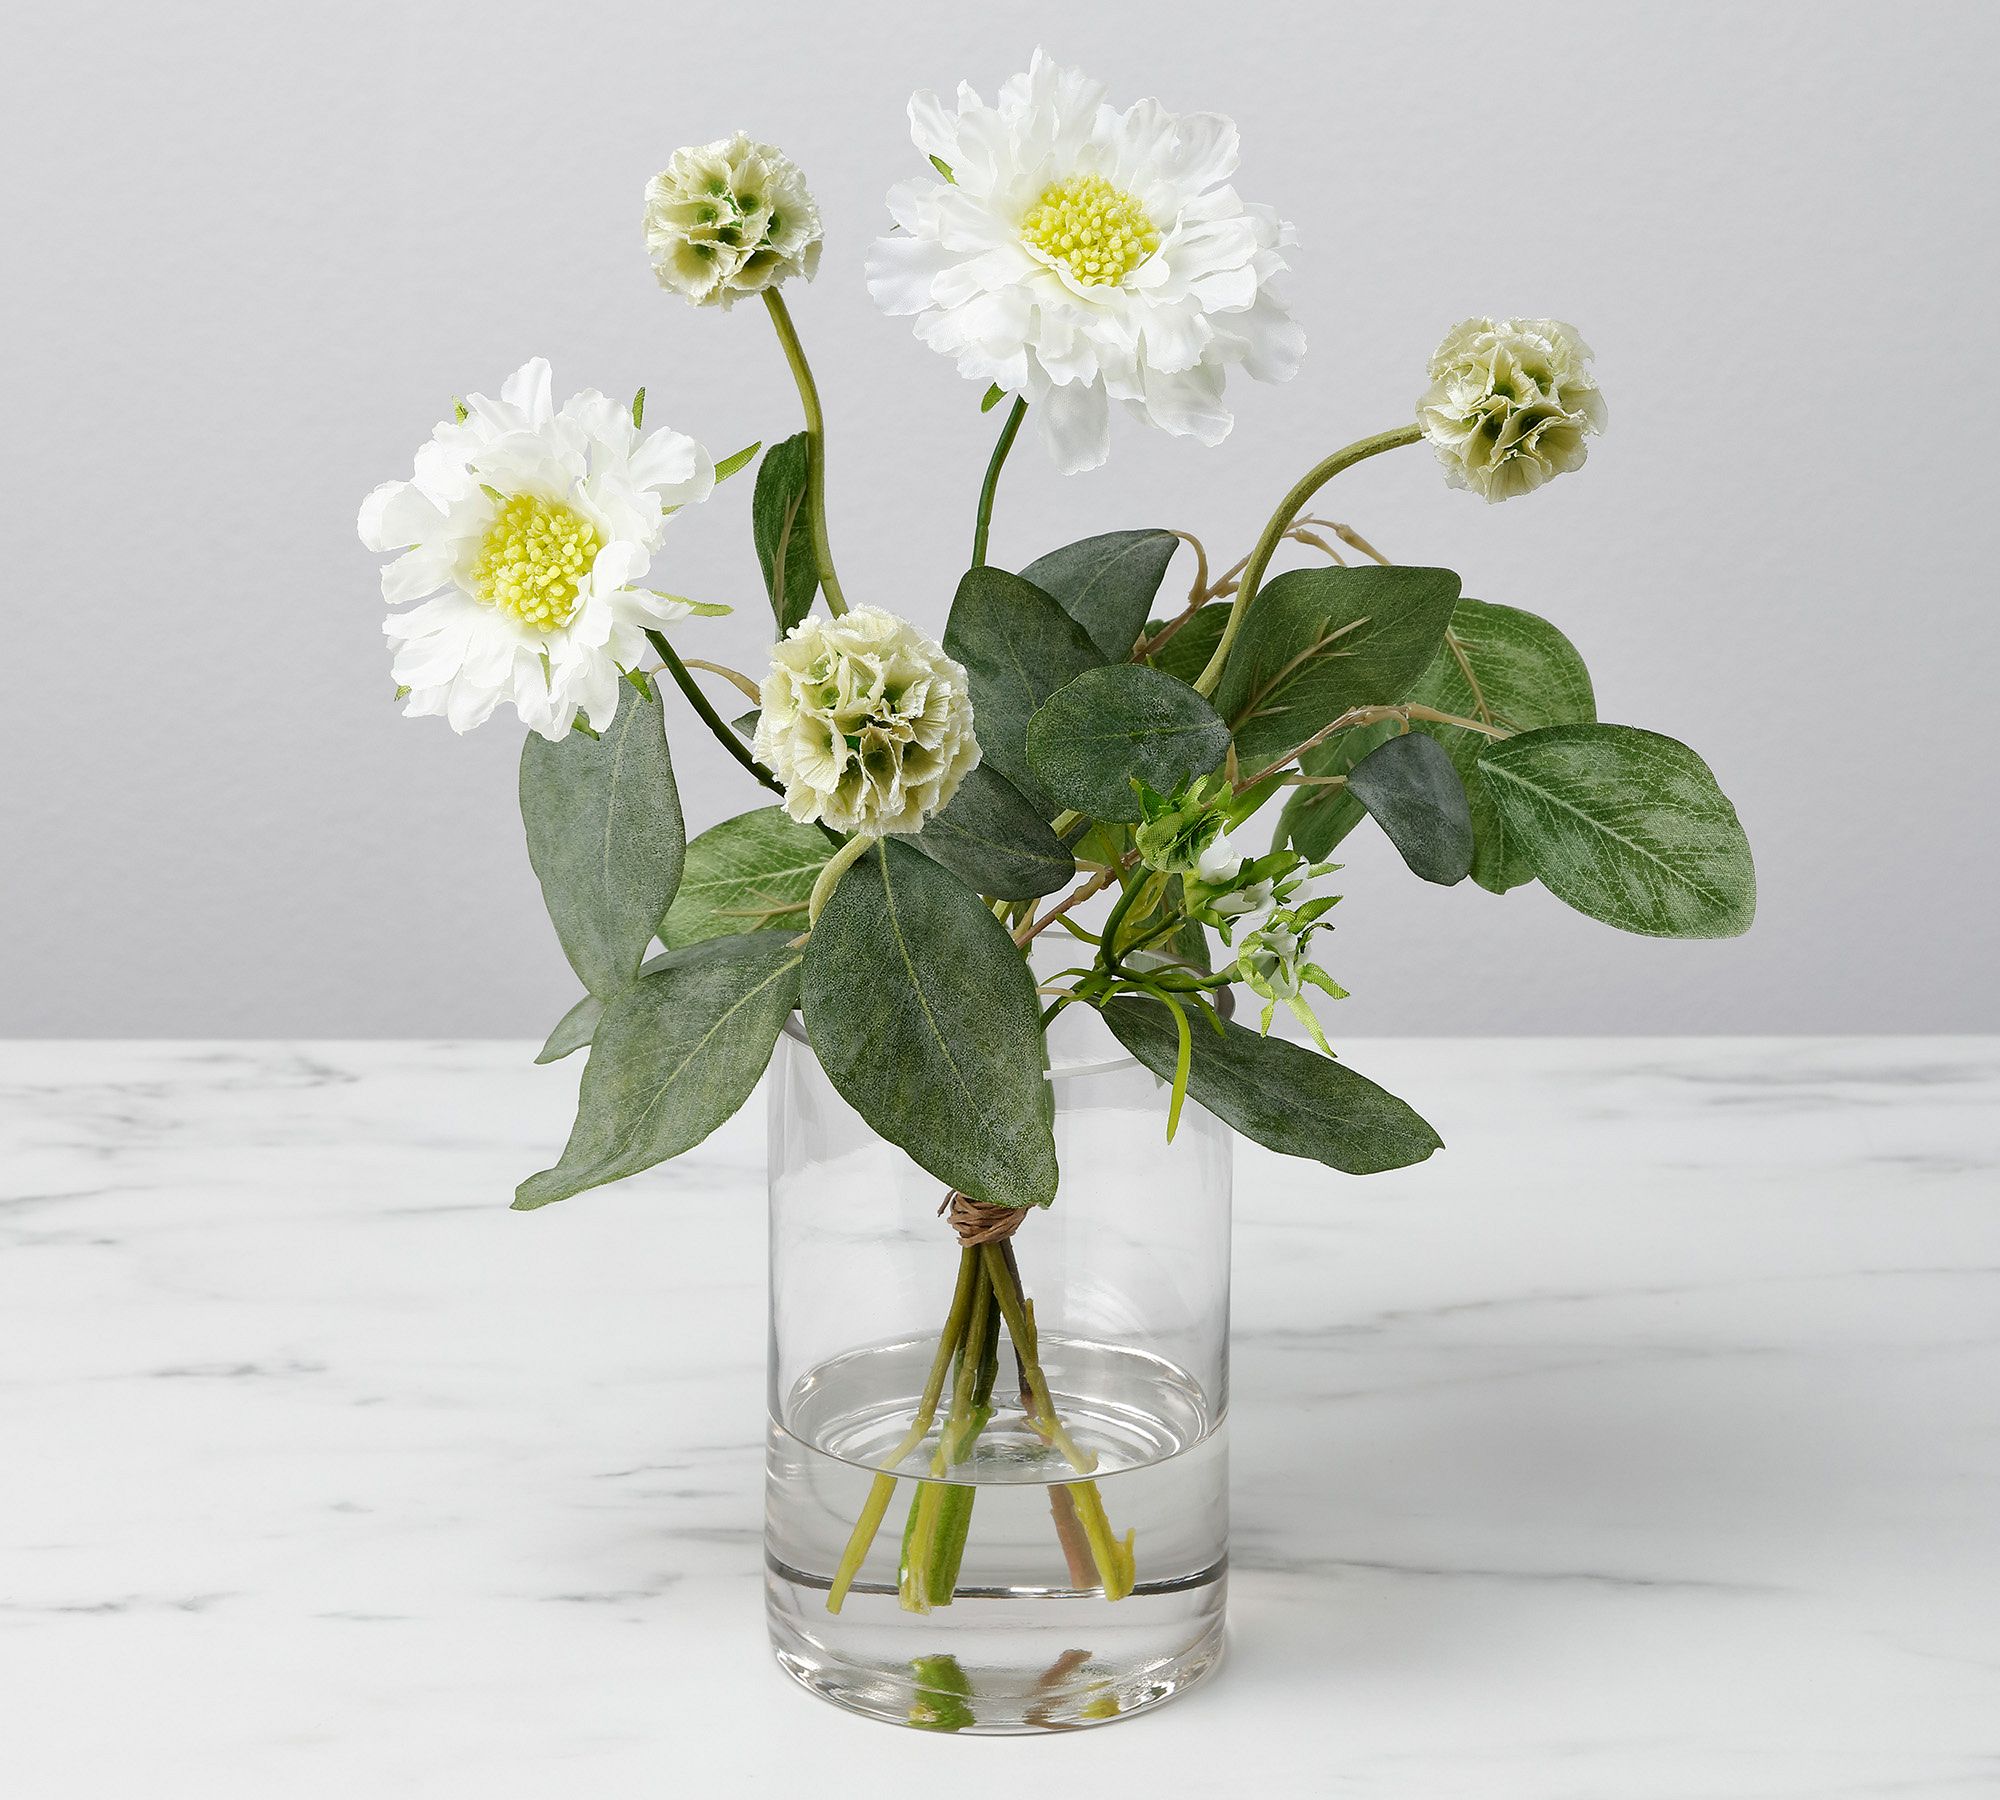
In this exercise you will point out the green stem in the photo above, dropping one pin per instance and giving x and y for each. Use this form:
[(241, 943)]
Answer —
[(728, 739), (953, 1442), (1113, 1558), (1279, 523), (941, 1513), (837, 865), (1108, 937), (1021, 1328), (1008, 432), (781, 320), (884, 1485)]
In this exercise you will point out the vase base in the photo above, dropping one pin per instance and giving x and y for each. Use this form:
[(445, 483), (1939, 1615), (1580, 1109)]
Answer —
[(955, 1691)]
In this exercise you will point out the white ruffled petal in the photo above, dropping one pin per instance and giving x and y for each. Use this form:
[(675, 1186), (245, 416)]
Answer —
[(530, 389), (396, 515), (1075, 426), (903, 270), (675, 467), (1174, 338), (470, 704), (416, 574), (1268, 341), (1189, 404), (931, 127)]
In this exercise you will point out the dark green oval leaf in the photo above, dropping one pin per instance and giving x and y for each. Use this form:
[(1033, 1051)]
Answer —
[(1290, 1099), (1317, 818), (1018, 646), (1318, 642), (782, 529), (924, 1016), (749, 872), (1095, 736), (1627, 826), (1415, 795), (605, 837), (674, 1055), (994, 841), (1106, 584)]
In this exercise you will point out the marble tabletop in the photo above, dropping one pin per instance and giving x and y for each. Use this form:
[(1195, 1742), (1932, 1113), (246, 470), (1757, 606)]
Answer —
[(1645, 1443)]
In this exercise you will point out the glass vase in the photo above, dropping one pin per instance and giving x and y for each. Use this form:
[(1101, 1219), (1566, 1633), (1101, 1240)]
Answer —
[(997, 1486)]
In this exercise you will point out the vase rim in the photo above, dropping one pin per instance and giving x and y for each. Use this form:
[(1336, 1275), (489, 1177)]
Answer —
[(1078, 1045)]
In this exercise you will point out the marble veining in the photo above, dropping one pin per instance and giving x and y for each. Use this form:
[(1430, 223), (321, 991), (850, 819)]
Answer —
[(1644, 1443)]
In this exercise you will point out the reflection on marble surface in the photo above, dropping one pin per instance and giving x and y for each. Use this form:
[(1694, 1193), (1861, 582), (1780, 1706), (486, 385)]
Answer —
[(1647, 1442)]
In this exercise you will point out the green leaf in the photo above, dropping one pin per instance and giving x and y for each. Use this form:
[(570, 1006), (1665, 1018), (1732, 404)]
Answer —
[(1318, 642), (1100, 843), (781, 526), (1106, 584), (1187, 652), (573, 1030), (1317, 818), (994, 841), (1529, 675), (605, 838), (747, 873), (1096, 735), (924, 1016), (1018, 646), (638, 409), (994, 394), (1415, 795), (673, 1056), (1290, 1099), (1627, 826), (736, 462)]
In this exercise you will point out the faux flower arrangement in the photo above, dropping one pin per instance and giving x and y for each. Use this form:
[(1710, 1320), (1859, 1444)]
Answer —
[(942, 807)]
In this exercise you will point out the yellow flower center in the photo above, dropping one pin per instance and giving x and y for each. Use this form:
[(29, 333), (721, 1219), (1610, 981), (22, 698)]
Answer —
[(1099, 233), (535, 556)]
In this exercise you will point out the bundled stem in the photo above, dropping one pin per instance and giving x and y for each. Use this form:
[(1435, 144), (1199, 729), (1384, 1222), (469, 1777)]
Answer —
[(988, 1294), (941, 1515), (884, 1485)]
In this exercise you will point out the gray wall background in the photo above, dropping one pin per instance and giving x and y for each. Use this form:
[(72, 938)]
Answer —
[(251, 252)]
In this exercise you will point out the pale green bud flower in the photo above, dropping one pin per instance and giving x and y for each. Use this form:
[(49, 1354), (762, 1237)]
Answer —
[(730, 218), (866, 721), (1510, 404)]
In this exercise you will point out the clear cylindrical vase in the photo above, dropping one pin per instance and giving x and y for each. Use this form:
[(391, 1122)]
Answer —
[(998, 1484)]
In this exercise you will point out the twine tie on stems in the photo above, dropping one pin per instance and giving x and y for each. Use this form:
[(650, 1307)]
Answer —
[(979, 1222)]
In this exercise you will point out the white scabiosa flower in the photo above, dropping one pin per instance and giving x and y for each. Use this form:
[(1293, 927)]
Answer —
[(730, 218), (524, 533), (1509, 405), (866, 722), (1076, 255)]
